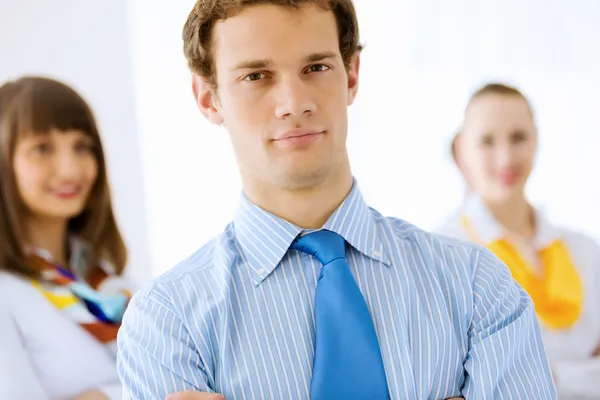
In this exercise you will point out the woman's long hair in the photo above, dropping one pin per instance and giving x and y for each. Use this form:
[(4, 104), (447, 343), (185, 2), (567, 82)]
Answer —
[(37, 105)]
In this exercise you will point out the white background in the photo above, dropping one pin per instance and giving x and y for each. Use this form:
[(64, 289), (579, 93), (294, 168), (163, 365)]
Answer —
[(174, 176)]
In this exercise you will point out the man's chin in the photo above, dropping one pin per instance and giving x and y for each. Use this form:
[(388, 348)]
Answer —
[(303, 178)]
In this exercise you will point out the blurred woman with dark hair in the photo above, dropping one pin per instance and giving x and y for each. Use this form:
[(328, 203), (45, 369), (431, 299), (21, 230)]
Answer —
[(62, 296)]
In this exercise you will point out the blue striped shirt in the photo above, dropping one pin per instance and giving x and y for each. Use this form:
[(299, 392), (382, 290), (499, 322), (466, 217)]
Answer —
[(237, 317)]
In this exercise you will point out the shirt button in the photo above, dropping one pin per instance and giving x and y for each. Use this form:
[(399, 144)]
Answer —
[(261, 271)]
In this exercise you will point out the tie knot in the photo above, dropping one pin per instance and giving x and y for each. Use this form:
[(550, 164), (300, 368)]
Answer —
[(324, 245)]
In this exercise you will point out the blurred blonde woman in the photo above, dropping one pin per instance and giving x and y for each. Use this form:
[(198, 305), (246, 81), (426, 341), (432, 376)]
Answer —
[(62, 296), (558, 267)]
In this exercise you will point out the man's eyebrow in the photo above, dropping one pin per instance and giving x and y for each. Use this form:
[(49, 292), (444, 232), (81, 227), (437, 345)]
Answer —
[(252, 64), (315, 57), (265, 63)]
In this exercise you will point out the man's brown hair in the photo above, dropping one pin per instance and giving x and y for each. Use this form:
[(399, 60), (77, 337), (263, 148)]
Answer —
[(35, 106), (197, 32)]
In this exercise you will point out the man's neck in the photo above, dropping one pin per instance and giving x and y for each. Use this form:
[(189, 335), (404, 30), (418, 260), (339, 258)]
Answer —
[(307, 208), (515, 215), (49, 234)]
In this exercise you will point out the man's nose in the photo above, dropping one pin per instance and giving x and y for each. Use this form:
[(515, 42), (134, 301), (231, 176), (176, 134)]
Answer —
[(294, 99)]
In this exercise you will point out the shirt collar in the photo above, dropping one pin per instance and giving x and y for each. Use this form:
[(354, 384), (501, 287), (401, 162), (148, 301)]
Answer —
[(265, 238), (487, 229)]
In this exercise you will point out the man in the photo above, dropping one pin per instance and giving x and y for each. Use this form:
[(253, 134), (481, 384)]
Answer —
[(309, 293)]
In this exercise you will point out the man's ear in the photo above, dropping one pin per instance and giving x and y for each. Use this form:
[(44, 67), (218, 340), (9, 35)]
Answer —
[(206, 99), (353, 77)]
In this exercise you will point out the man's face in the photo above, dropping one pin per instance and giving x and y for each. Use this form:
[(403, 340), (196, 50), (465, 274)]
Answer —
[(282, 93)]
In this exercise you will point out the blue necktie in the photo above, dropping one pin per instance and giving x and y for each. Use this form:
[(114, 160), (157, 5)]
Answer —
[(348, 363)]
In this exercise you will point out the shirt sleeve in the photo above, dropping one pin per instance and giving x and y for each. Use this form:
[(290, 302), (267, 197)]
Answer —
[(156, 354), (506, 357), (18, 379)]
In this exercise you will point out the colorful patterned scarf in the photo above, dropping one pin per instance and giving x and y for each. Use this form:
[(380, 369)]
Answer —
[(97, 304)]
